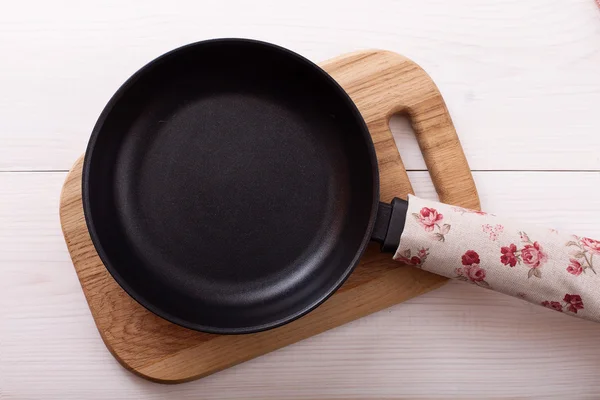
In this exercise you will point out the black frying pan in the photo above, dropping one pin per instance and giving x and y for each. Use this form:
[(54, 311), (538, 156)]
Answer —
[(231, 186)]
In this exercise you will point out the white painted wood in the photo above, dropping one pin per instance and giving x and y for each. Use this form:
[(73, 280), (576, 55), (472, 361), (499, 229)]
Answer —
[(457, 342), (520, 77), (522, 81)]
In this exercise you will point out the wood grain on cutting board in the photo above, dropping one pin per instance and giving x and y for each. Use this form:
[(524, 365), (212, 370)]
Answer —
[(381, 84)]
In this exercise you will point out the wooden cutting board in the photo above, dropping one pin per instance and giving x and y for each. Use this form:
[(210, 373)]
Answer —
[(381, 84)]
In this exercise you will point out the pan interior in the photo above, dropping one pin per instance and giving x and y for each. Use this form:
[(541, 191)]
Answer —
[(229, 186)]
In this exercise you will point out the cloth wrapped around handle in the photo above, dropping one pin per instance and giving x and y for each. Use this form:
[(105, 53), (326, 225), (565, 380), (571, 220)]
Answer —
[(539, 265)]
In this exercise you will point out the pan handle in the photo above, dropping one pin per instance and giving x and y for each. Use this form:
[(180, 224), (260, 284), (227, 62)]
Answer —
[(390, 222), (555, 270)]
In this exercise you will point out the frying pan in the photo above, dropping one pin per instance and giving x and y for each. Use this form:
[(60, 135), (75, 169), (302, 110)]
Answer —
[(231, 186)]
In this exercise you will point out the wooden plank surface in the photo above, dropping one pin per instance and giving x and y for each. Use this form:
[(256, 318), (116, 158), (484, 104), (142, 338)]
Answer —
[(521, 81), (454, 342), (518, 75), (381, 84)]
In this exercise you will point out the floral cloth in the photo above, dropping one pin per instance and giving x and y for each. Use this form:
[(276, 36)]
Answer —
[(536, 264)]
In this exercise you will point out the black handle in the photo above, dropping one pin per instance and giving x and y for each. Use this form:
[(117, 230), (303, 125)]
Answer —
[(389, 224)]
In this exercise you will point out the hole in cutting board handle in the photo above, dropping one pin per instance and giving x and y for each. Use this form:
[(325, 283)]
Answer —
[(411, 155)]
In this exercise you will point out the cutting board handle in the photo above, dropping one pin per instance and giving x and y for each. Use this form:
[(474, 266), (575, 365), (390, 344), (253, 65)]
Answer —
[(420, 99), (387, 84)]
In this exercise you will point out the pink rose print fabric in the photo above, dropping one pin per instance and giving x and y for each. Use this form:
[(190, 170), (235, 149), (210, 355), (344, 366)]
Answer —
[(431, 220), (583, 251), (408, 258), (574, 267), (471, 271), (539, 265), (493, 231), (572, 303), (428, 218), (531, 255)]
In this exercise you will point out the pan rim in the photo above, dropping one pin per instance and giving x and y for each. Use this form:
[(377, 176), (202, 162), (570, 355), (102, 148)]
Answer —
[(114, 272)]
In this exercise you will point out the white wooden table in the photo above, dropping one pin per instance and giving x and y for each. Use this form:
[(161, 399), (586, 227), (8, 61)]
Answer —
[(522, 82)]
